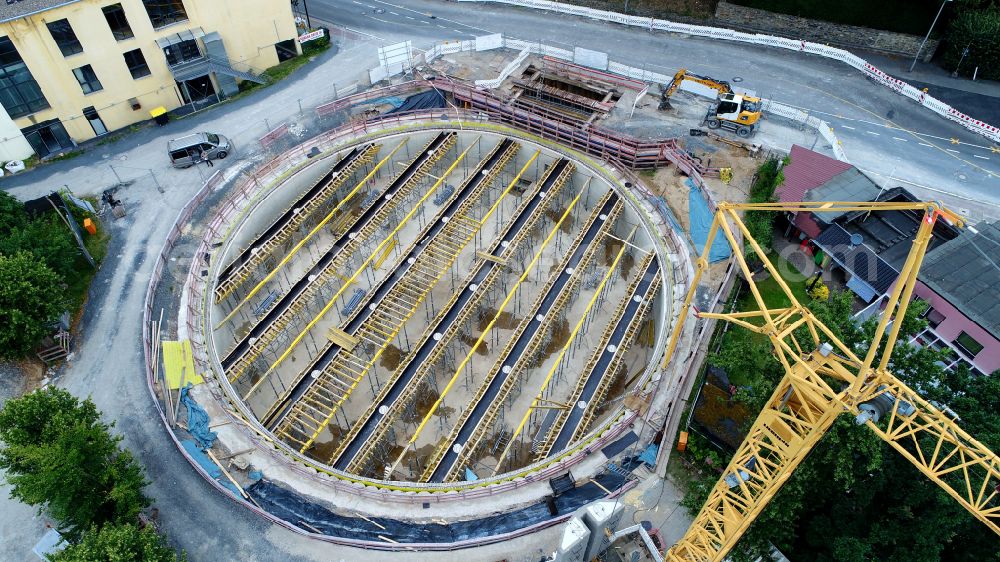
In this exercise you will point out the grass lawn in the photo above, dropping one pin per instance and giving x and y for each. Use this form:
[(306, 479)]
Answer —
[(774, 297), (772, 293), (97, 247)]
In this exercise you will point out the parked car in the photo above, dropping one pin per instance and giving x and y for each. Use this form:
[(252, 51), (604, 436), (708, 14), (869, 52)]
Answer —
[(186, 151)]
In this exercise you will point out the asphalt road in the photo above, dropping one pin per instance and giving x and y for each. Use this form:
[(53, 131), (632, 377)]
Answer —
[(892, 138)]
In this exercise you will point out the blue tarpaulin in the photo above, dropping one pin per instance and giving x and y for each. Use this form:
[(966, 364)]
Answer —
[(197, 420), (198, 454), (648, 455), (701, 222)]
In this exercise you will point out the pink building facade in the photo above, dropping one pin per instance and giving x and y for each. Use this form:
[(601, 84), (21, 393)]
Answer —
[(948, 326)]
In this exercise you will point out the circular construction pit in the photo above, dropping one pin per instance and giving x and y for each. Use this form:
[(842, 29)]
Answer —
[(438, 306)]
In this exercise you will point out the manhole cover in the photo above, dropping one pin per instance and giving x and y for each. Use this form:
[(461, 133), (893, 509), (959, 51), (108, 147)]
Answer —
[(961, 176), (737, 78)]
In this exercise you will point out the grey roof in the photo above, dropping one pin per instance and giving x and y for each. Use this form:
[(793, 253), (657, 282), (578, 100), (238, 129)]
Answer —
[(850, 185), (23, 8), (960, 271), (860, 260)]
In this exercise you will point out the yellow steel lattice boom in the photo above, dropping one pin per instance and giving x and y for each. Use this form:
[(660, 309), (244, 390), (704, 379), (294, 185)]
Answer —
[(824, 378)]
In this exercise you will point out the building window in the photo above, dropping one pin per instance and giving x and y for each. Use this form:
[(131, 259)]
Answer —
[(968, 344), (118, 22), (87, 79), (65, 38), (182, 51), (165, 12), (19, 93), (136, 64)]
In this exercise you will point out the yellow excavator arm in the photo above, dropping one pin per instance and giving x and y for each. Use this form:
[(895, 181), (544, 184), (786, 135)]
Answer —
[(824, 378), (682, 75)]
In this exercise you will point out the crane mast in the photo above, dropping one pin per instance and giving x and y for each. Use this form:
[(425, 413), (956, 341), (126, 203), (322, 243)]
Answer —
[(824, 378)]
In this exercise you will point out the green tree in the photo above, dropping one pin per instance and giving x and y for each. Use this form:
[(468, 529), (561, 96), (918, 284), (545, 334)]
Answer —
[(760, 224), (48, 239), (978, 31), (59, 456), (31, 297), (119, 543), (12, 214)]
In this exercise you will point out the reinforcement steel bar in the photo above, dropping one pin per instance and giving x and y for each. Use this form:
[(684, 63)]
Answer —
[(281, 313), (409, 285), (358, 445), (388, 239), (458, 372), (237, 272), (600, 369), (558, 364), (478, 417), (288, 257)]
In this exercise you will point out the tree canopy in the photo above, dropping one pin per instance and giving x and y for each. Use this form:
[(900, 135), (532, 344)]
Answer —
[(60, 456), (31, 297), (119, 543)]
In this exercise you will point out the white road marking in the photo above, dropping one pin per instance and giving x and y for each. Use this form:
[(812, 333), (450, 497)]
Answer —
[(980, 157), (404, 8), (952, 150), (381, 20), (441, 26), (925, 144), (393, 13), (899, 139), (847, 127), (871, 133), (408, 17), (459, 31)]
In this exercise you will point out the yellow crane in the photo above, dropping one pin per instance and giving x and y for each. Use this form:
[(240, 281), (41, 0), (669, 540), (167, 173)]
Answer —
[(732, 111), (824, 378)]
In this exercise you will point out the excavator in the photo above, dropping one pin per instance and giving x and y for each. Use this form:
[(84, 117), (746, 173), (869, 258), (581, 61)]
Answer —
[(735, 112), (825, 378)]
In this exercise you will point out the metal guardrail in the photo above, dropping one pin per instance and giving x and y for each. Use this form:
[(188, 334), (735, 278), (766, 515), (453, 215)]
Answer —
[(878, 76)]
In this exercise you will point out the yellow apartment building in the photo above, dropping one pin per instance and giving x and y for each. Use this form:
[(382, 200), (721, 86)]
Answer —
[(71, 70)]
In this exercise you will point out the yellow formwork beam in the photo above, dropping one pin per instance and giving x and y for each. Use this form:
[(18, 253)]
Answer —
[(439, 348), (243, 270), (312, 232), (357, 273), (482, 337), (423, 290), (562, 352)]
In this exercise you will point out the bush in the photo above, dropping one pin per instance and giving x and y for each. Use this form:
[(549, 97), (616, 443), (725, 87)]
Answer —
[(12, 213), (978, 30), (49, 240), (819, 291), (118, 543), (59, 456), (31, 298)]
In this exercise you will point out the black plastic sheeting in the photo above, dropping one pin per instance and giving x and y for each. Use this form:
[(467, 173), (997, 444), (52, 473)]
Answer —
[(426, 100), (297, 510), (620, 445)]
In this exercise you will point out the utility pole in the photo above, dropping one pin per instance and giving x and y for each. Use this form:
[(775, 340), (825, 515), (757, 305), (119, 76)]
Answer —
[(305, 8), (928, 36)]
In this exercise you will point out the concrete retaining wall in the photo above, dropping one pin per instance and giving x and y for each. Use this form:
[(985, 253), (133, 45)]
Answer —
[(795, 27)]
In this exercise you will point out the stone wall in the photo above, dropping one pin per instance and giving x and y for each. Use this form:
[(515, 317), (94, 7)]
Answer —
[(835, 34)]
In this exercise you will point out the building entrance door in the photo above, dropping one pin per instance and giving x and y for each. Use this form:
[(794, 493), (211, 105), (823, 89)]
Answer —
[(47, 137)]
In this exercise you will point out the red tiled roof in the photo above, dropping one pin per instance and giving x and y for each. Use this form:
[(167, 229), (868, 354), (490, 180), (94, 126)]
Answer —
[(807, 170)]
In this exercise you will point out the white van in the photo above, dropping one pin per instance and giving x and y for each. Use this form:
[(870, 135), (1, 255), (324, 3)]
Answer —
[(186, 151)]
